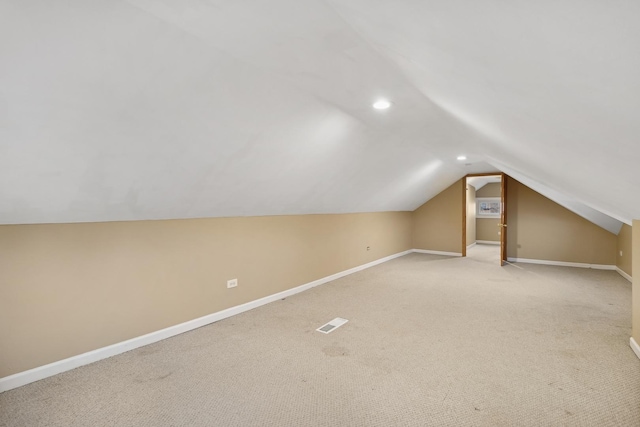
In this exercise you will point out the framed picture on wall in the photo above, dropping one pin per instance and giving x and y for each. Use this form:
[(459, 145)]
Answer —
[(488, 207)]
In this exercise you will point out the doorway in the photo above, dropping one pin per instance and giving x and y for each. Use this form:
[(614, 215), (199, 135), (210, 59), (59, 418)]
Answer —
[(484, 217)]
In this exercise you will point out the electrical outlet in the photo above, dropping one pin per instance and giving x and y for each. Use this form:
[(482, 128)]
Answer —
[(232, 283), (620, 253)]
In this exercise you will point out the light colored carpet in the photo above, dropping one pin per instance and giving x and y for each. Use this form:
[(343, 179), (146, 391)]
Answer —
[(431, 341)]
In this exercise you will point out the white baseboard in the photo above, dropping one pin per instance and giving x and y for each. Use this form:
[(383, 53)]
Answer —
[(471, 245), (426, 251), (623, 274), (634, 346), (563, 263), (487, 242), (41, 372)]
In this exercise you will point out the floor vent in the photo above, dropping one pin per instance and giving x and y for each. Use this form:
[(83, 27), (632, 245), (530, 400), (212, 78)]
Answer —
[(331, 326)]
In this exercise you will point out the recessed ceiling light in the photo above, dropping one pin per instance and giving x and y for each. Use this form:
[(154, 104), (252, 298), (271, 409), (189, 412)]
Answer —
[(381, 104), (462, 157)]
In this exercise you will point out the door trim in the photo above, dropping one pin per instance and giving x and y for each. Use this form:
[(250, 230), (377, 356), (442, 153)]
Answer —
[(503, 219)]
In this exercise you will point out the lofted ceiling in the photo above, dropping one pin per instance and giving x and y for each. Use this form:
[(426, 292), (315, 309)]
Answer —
[(480, 181), (156, 109)]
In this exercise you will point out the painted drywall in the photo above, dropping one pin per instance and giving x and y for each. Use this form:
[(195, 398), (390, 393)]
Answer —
[(487, 229), (635, 287), (541, 229), (471, 214), (540, 123), (437, 225), (70, 288), (624, 262), (489, 190)]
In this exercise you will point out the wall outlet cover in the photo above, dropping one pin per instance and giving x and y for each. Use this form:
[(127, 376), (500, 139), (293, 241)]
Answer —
[(232, 283)]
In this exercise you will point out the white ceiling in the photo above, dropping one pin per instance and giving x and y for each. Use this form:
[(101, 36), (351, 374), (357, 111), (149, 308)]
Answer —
[(150, 109), (480, 181)]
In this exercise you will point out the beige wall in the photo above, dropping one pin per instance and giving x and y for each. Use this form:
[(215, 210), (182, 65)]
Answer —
[(471, 214), (624, 261), (70, 288), (437, 225), (635, 289), (539, 228), (492, 189), (487, 229)]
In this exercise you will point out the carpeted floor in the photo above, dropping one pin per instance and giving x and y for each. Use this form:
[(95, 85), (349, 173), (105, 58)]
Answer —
[(431, 340)]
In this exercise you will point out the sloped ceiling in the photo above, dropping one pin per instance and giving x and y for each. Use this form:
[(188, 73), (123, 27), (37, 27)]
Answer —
[(480, 181), (152, 109)]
